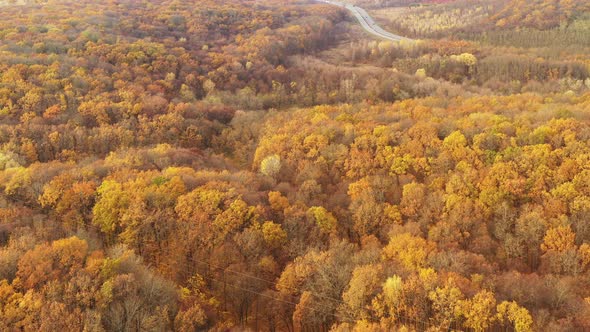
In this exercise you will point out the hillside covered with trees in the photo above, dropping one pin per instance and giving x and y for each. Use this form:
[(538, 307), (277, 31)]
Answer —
[(242, 165)]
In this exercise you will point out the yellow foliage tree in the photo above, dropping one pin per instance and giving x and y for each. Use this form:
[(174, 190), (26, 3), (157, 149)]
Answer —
[(411, 251), (444, 301), (323, 219), (517, 315), (558, 239), (478, 311), (273, 234)]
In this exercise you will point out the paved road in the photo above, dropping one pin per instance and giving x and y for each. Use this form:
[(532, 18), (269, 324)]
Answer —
[(367, 21)]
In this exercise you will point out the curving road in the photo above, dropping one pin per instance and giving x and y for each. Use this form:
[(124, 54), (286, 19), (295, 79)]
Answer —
[(367, 21)]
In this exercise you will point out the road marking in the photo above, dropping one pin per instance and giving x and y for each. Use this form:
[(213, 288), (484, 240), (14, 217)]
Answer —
[(367, 21)]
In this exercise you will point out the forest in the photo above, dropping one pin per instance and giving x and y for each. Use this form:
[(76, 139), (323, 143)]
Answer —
[(263, 165)]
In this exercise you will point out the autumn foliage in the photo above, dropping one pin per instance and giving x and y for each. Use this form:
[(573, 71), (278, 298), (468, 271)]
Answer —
[(254, 165)]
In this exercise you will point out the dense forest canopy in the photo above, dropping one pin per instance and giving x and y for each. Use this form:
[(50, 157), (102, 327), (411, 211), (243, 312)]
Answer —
[(232, 165)]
